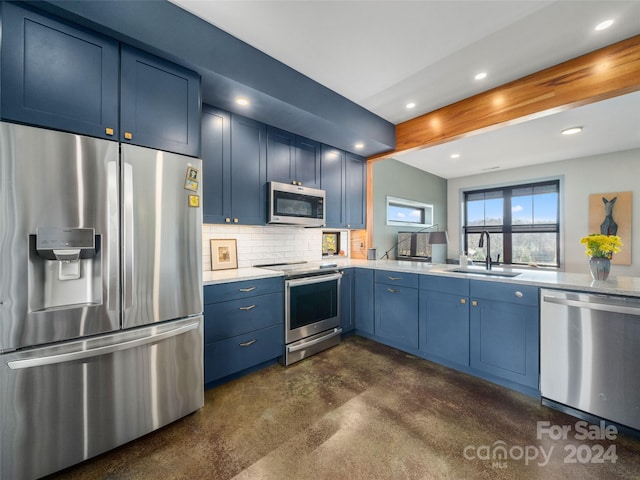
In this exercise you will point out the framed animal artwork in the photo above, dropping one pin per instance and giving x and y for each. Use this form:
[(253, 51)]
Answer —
[(610, 214)]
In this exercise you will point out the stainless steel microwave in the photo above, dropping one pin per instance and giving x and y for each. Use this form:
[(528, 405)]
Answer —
[(296, 205)]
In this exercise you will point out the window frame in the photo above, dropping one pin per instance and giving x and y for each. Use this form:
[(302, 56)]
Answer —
[(507, 229), (427, 212)]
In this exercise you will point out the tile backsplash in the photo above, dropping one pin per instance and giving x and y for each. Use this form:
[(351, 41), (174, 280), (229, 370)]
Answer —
[(265, 244)]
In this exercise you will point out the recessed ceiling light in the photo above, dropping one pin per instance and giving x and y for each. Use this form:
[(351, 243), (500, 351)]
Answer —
[(359, 146), (455, 155), (481, 76), (411, 105), (604, 25), (242, 101), (571, 131)]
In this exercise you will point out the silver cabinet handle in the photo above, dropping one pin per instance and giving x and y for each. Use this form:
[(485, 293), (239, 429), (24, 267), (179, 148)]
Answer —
[(519, 294), (394, 278), (249, 343), (94, 352), (250, 289), (391, 290), (250, 307)]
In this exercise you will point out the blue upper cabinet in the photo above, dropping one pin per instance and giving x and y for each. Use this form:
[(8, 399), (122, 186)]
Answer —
[(355, 191), (280, 155), (307, 162), (234, 157), (248, 171), (216, 165), (58, 75), (343, 177), (332, 180), (292, 159), (160, 103)]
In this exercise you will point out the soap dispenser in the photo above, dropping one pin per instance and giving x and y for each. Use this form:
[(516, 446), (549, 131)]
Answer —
[(463, 260)]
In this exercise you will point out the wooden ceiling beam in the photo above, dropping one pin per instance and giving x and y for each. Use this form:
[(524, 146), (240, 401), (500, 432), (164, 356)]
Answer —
[(604, 73)]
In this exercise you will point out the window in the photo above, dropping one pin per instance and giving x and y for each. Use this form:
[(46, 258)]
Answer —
[(522, 220), (408, 213)]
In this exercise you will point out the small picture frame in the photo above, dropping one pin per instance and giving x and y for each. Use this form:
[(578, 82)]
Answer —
[(192, 180), (224, 255)]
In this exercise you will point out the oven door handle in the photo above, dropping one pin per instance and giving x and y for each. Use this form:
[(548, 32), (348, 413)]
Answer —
[(303, 346), (311, 280)]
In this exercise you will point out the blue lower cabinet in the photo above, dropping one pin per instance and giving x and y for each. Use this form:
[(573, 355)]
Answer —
[(396, 314), (242, 290), (505, 340), (363, 301), (444, 326), (228, 319), (444, 319), (232, 355), (347, 318), (243, 325)]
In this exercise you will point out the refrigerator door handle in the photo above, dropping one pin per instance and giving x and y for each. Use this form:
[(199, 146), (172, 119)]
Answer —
[(94, 352), (127, 235), (113, 262)]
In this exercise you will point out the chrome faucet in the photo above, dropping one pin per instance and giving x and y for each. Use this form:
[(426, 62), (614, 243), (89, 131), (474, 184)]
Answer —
[(481, 244)]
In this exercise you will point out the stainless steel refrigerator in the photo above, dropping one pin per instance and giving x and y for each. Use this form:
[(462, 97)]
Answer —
[(100, 296)]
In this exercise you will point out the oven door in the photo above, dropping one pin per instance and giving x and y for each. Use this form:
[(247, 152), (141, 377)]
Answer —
[(312, 305)]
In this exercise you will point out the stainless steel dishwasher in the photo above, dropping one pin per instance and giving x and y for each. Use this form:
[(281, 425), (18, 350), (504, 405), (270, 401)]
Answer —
[(590, 352)]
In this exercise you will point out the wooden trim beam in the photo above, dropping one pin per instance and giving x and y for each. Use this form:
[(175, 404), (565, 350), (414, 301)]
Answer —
[(602, 74)]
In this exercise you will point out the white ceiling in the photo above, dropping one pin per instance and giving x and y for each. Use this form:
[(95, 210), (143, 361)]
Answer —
[(383, 54)]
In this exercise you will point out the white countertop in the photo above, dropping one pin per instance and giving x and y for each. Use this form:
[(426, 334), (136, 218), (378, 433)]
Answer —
[(237, 275), (540, 278)]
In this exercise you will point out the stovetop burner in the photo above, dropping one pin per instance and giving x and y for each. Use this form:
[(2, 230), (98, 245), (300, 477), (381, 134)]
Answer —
[(301, 269)]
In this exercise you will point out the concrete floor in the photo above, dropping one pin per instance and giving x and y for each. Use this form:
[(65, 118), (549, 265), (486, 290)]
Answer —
[(364, 411)]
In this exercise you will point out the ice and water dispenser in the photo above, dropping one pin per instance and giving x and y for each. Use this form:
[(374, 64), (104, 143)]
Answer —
[(65, 268)]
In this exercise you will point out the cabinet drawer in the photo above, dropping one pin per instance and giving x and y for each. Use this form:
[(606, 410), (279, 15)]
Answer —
[(449, 285), (397, 278), (237, 353), (236, 290), (504, 292), (236, 317)]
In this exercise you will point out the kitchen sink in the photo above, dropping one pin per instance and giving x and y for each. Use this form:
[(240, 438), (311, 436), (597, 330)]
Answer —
[(489, 273)]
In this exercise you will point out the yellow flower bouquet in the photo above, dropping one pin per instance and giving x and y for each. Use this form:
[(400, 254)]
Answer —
[(601, 246)]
